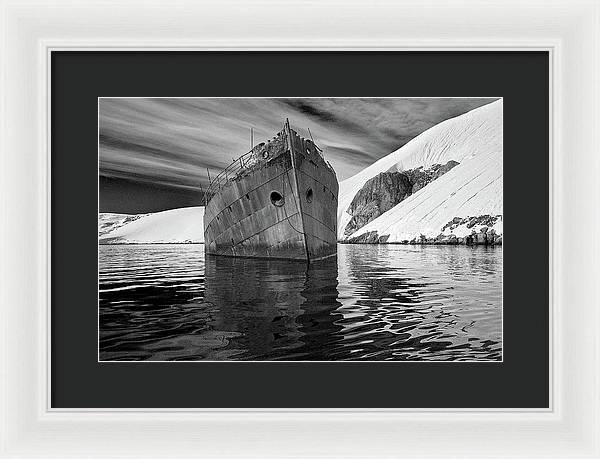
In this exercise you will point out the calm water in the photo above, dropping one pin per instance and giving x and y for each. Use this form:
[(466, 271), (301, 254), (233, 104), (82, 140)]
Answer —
[(376, 302)]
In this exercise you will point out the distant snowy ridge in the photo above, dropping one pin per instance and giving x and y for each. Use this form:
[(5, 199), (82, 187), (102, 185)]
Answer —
[(176, 226), (471, 189), (108, 222)]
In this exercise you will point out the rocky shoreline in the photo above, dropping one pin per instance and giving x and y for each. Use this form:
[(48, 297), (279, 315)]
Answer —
[(481, 226), (485, 236)]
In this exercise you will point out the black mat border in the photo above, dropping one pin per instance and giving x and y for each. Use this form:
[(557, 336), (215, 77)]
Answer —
[(79, 381)]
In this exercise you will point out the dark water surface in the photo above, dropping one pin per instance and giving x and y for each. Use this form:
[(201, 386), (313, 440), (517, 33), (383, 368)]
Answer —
[(375, 302)]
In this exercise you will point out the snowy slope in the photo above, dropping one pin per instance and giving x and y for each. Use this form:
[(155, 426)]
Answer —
[(474, 187), (108, 222), (185, 225)]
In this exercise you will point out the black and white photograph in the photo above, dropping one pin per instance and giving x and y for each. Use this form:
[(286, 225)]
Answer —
[(300, 229)]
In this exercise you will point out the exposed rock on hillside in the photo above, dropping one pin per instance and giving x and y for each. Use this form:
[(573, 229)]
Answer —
[(470, 222), (420, 177), (377, 196), (387, 189)]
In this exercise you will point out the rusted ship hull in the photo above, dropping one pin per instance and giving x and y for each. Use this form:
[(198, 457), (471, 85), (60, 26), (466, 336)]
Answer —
[(283, 205)]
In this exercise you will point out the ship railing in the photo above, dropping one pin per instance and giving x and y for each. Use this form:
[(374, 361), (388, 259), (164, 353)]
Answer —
[(231, 171)]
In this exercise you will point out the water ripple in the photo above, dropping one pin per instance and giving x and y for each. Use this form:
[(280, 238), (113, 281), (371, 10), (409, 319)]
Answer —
[(390, 302)]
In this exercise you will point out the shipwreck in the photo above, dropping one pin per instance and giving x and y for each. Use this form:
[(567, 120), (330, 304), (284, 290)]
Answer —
[(279, 200)]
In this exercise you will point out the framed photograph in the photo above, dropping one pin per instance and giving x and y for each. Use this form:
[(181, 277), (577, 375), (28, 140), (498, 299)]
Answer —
[(283, 260), (264, 230)]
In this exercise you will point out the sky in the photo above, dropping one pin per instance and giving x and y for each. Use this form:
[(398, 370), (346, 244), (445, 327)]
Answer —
[(154, 152)]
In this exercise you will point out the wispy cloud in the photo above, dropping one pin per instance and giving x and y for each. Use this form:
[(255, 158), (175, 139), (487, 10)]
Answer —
[(173, 141)]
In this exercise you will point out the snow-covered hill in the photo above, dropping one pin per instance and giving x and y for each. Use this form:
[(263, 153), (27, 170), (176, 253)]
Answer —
[(185, 225), (471, 189), (108, 222)]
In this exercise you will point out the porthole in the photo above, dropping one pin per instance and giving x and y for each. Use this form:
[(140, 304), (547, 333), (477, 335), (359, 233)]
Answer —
[(277, 199), (308, 151), (309, 195), (265, 154)]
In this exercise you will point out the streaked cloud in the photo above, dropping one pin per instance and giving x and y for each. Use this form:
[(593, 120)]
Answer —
[(171, 142)]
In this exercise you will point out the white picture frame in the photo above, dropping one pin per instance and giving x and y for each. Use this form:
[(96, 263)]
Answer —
[(569, 30)]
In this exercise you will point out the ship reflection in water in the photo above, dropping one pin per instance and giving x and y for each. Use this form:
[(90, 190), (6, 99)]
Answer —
[(375, 302)]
